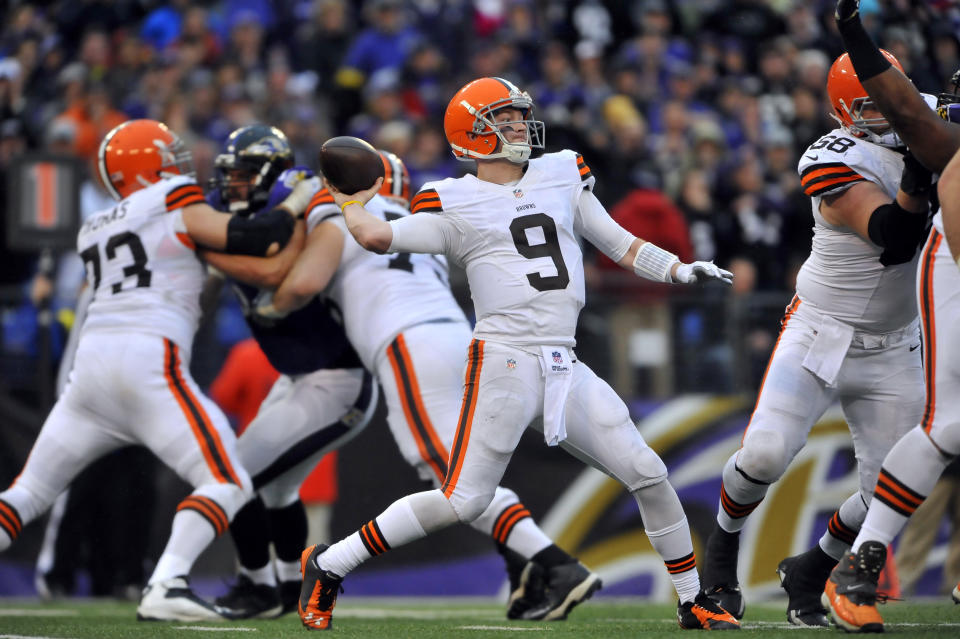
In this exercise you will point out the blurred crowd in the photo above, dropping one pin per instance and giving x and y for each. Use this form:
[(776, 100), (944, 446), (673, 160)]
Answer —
[(691, 113)]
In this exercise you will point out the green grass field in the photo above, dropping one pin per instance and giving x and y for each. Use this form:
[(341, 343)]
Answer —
[(434, 618)]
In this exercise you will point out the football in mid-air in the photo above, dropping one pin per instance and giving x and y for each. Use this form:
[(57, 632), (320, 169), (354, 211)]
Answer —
[(350, 164)]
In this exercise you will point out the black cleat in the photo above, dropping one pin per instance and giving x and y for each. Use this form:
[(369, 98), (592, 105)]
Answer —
[(704, 614), (720, 571), (289, 596), (557, 590), (804, 580), (247, 600)]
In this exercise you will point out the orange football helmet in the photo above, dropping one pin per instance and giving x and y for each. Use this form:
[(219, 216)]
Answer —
[(469, 121), (139, 153), (396, 178), (849, 98)]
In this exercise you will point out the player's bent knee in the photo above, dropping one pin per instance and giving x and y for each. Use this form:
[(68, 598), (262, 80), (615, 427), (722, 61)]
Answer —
[(647, 469), (763, 456), (229, 497), (469, 508)]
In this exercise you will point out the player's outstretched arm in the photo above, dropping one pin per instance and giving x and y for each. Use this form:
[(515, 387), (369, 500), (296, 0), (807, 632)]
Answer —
[(312, 271), (932, 140), (262, 272), (260, 235), (948, 188), (369, 231)]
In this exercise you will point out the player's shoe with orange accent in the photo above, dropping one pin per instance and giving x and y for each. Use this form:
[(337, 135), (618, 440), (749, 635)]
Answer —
[(703, 613), (955, 595), (553, 592), (850, 593), (318, 593), (719, 571)]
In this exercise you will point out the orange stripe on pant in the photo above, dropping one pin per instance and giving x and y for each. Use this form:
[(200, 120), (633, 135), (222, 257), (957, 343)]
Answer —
[(462, 438), (432, 450), (928, 325), (204, 432), (791, 309)]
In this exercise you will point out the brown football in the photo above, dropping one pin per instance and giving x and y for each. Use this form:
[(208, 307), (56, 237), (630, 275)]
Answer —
[(350, 164)]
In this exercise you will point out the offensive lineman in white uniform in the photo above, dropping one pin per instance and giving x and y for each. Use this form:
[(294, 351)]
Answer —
[(514, 227), (850, 334), (131, 382), (407, 328), (915, 462)]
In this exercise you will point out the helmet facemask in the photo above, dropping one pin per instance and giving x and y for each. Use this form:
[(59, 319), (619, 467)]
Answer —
[(876, 130), (484, 124)]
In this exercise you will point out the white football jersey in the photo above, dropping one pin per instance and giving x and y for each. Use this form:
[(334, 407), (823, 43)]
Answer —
[(141, 264), (519, 246), (379, 296), (843, 276)]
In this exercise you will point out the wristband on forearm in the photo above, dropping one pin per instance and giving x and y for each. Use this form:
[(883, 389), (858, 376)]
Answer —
[(864, 54), (653, 263)]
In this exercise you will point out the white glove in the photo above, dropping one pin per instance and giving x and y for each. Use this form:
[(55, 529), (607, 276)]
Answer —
[(702, 272)]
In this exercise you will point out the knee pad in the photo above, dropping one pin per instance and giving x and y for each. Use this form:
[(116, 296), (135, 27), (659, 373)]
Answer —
[(647, 469), (763, 456), (503, 498)]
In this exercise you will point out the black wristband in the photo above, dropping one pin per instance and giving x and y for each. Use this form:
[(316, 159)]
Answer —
[(864, 54)]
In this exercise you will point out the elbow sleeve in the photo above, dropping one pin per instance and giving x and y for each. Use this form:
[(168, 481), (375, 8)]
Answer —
[(255, 235), (899, 232)]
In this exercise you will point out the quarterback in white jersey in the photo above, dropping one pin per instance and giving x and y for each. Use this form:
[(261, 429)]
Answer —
[(914, 464), (514, 227), (402, 319), (130, 381), (850, 334)]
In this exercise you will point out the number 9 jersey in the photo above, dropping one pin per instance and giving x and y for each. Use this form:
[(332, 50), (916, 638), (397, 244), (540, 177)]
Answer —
[(519, 246), (141, 263)]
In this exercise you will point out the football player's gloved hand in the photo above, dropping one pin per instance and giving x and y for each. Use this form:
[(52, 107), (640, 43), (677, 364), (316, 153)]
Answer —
[(847, 10), (285, 183), (702, 272), (916, 178)]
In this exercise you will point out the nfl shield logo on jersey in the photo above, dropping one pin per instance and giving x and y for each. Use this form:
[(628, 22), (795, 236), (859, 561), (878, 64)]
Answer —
[(511, 363), (517, 193), (557, 357)]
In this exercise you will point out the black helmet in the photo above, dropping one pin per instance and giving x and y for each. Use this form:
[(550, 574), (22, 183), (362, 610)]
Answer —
[(252, 159)]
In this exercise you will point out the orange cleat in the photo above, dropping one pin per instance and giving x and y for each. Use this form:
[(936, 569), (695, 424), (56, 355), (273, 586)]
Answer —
[(704, 614), (318, 593), (850, 593)]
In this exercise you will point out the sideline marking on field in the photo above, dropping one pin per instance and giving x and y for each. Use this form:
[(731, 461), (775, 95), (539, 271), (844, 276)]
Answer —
[(215, 628), (33, 612), (384, 613), (499, 628), (27, 637)]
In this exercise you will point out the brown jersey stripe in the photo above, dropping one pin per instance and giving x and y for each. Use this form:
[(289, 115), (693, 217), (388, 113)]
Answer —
[(827, 185), (683, 564), (462, 437), (788, 313), (203, 430), (187, 241), (432, 450), (840, 530), (928, 326), (10, 519), (427, 201), (178, 197)]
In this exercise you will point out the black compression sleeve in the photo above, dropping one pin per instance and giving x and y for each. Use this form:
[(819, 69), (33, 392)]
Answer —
[(254, 235), (864, 54), (898, 231)]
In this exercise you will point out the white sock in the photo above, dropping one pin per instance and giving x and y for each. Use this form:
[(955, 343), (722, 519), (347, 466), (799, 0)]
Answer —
[(263, 575), (739, 496), (288, 570), (191, 534)]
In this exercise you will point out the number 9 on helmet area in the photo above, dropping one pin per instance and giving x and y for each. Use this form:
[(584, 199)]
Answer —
[(350, 164)]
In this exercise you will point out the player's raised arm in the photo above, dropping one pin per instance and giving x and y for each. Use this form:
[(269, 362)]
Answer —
[(635, 254), (369, 231), (932, 140)]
